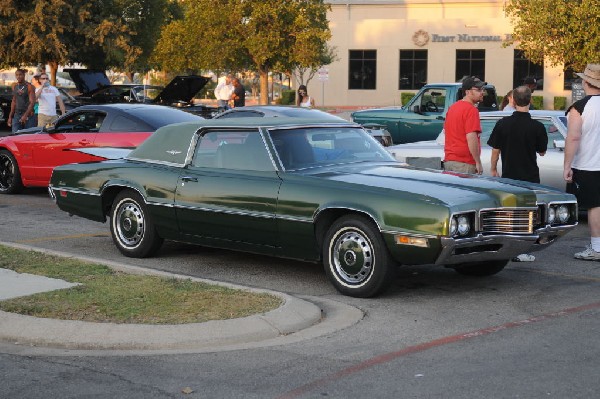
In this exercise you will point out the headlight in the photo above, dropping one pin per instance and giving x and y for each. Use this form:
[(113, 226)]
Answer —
[(551, 214), (563, 213), (463, 225), (453, 226)]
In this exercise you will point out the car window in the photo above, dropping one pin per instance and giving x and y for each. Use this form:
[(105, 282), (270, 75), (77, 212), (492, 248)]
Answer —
[(122, 123), (84, 121), (432, 100), (240, 114), (487, 125), (310, 147), (235, 150)]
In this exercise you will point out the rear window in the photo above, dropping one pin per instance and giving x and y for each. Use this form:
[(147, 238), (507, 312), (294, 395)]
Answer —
[(158, 116)]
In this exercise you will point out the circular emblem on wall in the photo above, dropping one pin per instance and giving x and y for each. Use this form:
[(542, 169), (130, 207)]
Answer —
[(420, 38)]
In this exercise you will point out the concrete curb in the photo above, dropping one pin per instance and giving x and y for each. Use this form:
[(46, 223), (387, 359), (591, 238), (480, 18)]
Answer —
[(294, 315)]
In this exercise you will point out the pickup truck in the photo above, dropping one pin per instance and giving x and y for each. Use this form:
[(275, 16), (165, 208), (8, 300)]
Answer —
[(422, 118)]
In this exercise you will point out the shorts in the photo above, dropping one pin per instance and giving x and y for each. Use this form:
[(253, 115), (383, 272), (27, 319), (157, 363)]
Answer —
[(460, 167), (587, 188)]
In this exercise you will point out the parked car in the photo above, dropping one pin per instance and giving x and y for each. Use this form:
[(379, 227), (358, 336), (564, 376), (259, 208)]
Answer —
[(431, 153), (96, 88), (260, 111), (5, 100), (28, 157), (311, 190), (422, 118)]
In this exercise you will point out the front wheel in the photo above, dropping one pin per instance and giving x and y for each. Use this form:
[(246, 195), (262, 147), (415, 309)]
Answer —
[(356, 259), (131, 228), (10, 175), (481, 269)]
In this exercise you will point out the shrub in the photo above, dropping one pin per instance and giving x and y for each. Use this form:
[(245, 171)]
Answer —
[(560, 102), (288, 97), (538, 102), (405, 97)]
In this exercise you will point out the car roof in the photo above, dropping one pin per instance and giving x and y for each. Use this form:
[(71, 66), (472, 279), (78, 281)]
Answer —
[(170, 143), (283, 111)]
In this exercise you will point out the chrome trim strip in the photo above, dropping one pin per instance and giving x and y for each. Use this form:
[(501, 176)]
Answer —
[(155, 162), (74, 191)]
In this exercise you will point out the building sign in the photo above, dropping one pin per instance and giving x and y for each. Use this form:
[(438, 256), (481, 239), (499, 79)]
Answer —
[(577, 92), (421, 38)]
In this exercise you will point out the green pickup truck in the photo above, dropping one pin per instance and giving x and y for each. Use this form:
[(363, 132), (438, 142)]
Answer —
[(423, 117)]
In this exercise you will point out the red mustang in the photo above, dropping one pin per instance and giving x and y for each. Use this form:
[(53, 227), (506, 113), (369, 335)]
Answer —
[(28, 157)]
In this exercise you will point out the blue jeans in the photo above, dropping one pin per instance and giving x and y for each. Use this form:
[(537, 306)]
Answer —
[(17, 125)]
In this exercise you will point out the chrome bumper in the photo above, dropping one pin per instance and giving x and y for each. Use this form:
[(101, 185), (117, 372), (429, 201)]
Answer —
[(497, 247)]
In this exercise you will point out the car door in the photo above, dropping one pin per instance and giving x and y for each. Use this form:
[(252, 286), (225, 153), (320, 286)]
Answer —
[(229, 191), (53, 146), (425, 117)]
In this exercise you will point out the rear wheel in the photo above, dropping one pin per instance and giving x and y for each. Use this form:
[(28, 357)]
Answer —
[(132, 229), (356, 259), (481, 269), (10, 175)]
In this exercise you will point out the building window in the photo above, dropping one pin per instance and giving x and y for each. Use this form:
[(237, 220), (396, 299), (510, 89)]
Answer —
[(470, 63), (363, 69), (413, 69), (569, 78), (523, 68)]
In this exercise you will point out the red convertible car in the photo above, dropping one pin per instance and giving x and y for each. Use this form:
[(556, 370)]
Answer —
[(28, 157)]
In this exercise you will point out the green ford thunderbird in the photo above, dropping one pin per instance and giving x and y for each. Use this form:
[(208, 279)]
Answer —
[(310, 190)]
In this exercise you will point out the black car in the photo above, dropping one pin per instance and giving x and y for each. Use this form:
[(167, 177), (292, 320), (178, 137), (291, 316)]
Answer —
[(259, 111), (96, 88)]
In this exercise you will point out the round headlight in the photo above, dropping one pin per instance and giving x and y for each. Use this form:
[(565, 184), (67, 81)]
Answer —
[(551, 214), (463, 225), (453, 226), (563, 213)]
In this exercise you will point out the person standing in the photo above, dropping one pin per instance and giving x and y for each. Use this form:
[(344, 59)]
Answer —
[(303, 99), (517, 139), (223, 92), (21, 106), (462, 128), (508, 104), (582, 157), (48, 96), (239, 94)]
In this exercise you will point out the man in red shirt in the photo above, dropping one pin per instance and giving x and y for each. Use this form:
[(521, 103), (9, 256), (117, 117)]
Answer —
[(462, 129)]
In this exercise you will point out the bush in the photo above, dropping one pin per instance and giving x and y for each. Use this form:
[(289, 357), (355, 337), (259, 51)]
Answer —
[(538, 102), (405, 97), (288, 97), (560, 103)]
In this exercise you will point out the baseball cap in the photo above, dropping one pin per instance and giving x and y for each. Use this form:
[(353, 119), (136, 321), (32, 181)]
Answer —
[(471, 82)]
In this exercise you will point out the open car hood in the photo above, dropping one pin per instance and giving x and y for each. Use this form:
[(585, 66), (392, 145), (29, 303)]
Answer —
[(87, 80), (181, 89)]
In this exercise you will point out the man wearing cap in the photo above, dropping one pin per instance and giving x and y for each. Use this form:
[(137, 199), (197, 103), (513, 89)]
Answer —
[(582, 158), (462, 129)]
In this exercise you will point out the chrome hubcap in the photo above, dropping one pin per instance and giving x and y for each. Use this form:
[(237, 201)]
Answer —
[(129, 224), (353, 257)]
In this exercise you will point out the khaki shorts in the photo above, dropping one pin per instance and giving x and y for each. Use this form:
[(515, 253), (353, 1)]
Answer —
[(460, 167), (44, 120)]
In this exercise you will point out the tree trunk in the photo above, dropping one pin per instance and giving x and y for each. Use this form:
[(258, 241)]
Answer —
[(53, 69), (264, 86)]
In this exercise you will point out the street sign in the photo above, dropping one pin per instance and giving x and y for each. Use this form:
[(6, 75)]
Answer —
[(323, 74)]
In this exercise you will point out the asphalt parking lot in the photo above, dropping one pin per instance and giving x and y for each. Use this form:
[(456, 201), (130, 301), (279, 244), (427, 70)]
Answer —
[(530, 331)]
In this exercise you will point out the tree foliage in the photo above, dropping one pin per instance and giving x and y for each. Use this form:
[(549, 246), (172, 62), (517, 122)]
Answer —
[(239, 34), (558, 31)]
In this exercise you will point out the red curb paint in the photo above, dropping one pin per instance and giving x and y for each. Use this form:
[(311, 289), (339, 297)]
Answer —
[(388, 357)]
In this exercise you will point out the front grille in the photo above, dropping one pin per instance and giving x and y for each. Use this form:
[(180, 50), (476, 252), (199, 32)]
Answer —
[(508, 221)]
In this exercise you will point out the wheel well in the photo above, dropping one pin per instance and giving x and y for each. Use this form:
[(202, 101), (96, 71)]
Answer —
[(327, 217), (109, 195)]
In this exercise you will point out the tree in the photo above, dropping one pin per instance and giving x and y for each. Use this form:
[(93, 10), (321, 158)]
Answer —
[(91, 32), (241, 34), (558, 31), (328, 56)]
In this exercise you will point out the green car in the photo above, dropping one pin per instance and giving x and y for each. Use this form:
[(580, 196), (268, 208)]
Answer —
[(310, 190)]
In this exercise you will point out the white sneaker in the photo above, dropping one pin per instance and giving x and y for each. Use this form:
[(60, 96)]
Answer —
[(588, 254), (524, 258)]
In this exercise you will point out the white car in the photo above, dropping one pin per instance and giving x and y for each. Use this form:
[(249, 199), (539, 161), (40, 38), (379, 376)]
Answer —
[(429, 154)]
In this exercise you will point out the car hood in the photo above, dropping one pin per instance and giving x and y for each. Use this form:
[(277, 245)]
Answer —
[(87, 80), (181, 89), (449, 188)]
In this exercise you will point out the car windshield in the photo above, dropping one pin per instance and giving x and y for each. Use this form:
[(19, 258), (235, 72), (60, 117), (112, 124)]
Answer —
[(158, 116), (146, 93), (310, 147)]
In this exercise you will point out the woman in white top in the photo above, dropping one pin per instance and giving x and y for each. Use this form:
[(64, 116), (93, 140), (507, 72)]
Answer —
[(303, 99)]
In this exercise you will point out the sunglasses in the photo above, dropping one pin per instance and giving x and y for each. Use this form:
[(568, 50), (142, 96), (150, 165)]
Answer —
[(43, 78)]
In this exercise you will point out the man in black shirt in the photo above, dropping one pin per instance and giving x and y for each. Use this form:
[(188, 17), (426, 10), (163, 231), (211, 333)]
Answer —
[(239, 93), (517, 139)]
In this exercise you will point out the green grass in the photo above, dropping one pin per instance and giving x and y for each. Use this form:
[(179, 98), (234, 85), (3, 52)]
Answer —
[(106, 295)]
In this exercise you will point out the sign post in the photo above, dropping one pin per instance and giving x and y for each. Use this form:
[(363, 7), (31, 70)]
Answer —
[(323, 76)]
